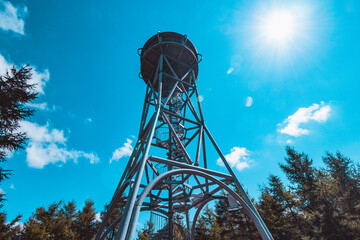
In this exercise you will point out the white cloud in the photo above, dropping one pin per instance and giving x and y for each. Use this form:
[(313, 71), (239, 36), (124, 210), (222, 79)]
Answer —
[(39, 78), (249, 101), (316, 112), (4, 65), (123, 151), (98, 217), (48, 145), (89, 120), (45, 145), (12, 186), (41, 106), (10, 17), (238, 158), (200, 98), (2, 191)]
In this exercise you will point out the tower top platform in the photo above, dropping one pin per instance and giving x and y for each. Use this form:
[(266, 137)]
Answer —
[(180, 53)]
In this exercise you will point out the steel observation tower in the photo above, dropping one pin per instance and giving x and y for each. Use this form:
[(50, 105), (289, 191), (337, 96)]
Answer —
[(167, 173)]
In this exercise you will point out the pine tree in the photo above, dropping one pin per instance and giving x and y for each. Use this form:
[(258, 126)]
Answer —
[(340, 199), (15, 91), (146, 232), (9, 230), (207, 227), (69, 213), (279, 209), (233, 224), (33, 230), (85, 224), (302, 174), (304, 179), (61, 221), (222, 218), (46, 224), (115, 214)]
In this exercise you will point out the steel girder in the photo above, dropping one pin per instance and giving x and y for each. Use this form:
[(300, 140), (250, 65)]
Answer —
[(179, 181)]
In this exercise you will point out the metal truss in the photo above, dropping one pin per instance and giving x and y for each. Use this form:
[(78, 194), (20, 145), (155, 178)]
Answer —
[(177, 182)]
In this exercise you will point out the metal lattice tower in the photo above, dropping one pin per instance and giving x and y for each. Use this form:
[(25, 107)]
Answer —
[(167, 173)]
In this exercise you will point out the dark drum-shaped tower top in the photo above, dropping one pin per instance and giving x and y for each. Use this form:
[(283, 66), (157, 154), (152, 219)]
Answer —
[(179, 53)]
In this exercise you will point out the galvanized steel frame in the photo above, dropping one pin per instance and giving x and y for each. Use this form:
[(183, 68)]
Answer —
[(140, 162)]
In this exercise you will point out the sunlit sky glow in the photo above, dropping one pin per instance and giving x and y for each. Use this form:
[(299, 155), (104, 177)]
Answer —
[(279, 26), (280, 33), (273, 73)]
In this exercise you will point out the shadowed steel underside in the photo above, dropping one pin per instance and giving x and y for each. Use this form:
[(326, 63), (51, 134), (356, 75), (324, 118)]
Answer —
[(167, 173)]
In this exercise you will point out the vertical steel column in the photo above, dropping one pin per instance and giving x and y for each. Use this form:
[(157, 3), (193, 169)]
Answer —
[(171, 211), (238, 184), (128, 216), (170, 204)]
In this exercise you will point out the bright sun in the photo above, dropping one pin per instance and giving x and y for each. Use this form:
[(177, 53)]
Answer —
[(280, 32), (279, 26)]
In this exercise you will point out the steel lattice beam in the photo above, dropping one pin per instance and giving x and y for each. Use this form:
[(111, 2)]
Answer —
[(179, 181)]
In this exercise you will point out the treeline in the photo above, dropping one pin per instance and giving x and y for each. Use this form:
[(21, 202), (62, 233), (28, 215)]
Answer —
[(317, 203), (60, 221)]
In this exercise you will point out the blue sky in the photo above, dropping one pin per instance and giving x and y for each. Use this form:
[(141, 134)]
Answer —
[(261, 89)]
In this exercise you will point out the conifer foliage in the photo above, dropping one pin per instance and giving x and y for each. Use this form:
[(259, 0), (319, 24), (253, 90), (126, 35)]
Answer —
[(60, 221), (319, 203), (15, 91)]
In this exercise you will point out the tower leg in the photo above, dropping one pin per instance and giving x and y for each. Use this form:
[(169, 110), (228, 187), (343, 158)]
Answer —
[(263, 229), (181, 183), (126, 220), (171, 210)]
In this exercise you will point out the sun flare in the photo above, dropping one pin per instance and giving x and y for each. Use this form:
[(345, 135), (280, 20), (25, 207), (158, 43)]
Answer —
[(279, 26), (279, 35)]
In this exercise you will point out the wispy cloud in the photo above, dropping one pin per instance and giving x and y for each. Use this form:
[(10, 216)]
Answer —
[(38, 78), (238, 158), (4, 65), (48, 146), (123, 151), (41, 106), (294, 124), (11, 17)]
